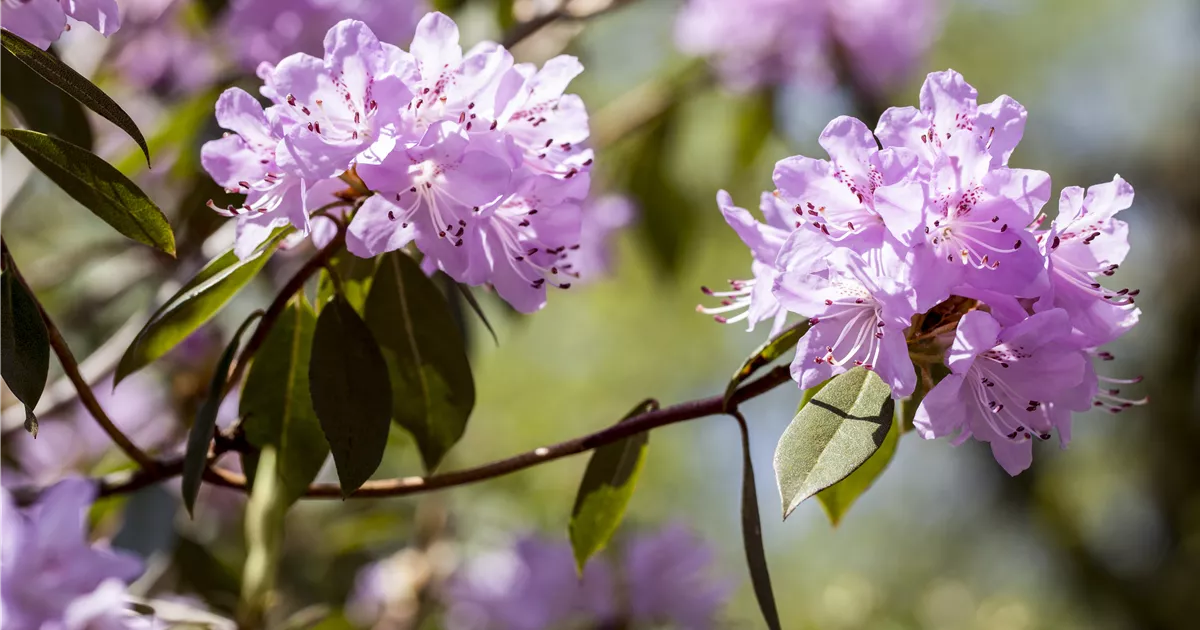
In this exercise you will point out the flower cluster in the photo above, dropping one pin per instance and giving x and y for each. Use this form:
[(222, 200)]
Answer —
[(52, 577), (765, 42), (42, 22), (481, 162), (918, 242), (664, 580)]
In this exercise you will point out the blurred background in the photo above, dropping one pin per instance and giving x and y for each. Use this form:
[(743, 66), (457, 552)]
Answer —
[(1105, 534)]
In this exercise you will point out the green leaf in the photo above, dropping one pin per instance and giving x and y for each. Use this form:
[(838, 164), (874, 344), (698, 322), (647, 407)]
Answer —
[(756, 120), (73, 84), (607, 486), (265, 513), (43, 107), (355, 274), (433, 391), (98, 186), (838, 430), (348, 378), (756, 557), (668, 219), (276, 406), (194, 304), (24, 346), (201, 433), (470, 298), (765, 354), (838, 498)]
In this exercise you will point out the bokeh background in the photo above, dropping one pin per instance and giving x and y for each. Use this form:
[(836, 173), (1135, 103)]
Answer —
[(1103, 535)]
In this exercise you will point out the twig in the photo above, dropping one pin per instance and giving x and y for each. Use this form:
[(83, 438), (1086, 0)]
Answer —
[(523, 30), (293, 286), (71, 368), (714, 405)]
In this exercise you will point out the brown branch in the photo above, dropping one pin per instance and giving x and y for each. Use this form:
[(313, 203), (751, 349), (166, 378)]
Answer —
[(279, 304), (692, 410), (523, 30), (71, 368)]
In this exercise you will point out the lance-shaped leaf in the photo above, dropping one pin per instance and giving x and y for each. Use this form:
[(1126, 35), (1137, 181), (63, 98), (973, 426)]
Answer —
[(24, 347), (355, 275), (433, 391), (838, 498), (351, 393), (607, 486), (773, 349), (838, 430), (98, 186), (276, 405), (756, 557), (42, 106), (194, 304), (465, 291), (73, 84), (196, 456)]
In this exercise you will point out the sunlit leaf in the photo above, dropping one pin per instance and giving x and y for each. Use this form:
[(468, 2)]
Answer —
[(838, 430), (838, 498), (201, 433), (276, 405), (194, 304), (42, 106), (98, 186), (25, 349), (351, 393), (763, 355), (607, 486), (470, 299), (356, 275), (752, 540), (74, 84), (433, 391)]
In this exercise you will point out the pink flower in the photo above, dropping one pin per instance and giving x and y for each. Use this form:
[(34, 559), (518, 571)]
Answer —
[(1086, 242), (1008, 385), (859, 313), (837, 197), (41, 22)]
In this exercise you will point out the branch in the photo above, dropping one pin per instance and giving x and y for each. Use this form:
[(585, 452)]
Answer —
[(293, 286), (523, 30), (711, 406), (71, 368)]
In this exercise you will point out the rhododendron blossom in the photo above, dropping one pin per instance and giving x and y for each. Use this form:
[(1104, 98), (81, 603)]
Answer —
[(481, 163), (919, 245), (41, 22)]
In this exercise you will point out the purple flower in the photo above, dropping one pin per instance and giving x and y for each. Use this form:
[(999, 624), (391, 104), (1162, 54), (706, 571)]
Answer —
[(602, 219), (764, 42), (533, 586), (837, 197), (1007, 386), (268, 30), (157, 50), (752, 299), (859, 312), (1086, 242), (968, 221), (41, 22), (48, 563), (948, 110), (668, 578)]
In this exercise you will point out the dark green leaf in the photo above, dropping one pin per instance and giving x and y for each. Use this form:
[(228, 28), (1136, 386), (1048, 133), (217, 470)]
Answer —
[(193, 305), (43, 107), (607, 486), (201, 434), (756, 119), (25, 351), (356, 275), (276, 406), (74, 84), (756, 557), (98, 186), (433, 391), (765, 354), (348, 378), (838, 498), (470, 298), (838, 430)]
